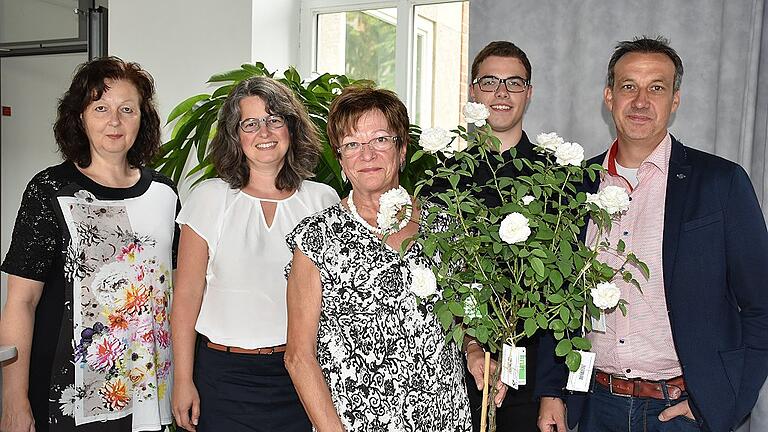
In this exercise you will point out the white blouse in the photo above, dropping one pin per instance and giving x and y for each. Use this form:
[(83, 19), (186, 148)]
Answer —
[(244, 299)]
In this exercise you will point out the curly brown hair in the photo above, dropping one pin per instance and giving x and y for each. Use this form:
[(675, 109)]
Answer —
[(88, 85), (354, 101), (303, 151)]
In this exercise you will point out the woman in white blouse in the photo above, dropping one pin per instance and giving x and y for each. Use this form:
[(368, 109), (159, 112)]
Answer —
[(229, 314)]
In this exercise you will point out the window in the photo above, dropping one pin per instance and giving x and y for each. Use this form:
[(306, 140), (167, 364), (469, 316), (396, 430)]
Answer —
[(416, 48)]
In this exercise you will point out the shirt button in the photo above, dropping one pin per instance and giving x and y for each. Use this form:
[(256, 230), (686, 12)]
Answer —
[(628, 370), (630, 198), (626, 232), (621, 340)]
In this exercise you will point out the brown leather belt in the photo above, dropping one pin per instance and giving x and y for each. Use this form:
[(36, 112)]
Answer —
[(236, 350), (637, 387)]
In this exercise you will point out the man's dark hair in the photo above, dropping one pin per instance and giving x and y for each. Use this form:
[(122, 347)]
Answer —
[(501, 49), (646, 45)]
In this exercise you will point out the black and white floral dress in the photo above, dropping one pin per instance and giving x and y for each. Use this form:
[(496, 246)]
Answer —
[(382, 352)]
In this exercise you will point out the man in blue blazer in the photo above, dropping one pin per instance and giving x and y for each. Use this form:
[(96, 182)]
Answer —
[(692, 352)]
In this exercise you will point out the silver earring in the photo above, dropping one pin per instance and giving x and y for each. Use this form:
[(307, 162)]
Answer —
[(402, 166), (343, 176)]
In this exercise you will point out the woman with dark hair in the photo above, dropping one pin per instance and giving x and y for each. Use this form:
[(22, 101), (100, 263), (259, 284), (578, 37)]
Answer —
[(230, 290), (89, 267), (365, 349)]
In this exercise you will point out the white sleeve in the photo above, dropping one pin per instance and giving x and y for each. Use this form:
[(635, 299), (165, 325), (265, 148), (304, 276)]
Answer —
[(203, 210), (320, 195)]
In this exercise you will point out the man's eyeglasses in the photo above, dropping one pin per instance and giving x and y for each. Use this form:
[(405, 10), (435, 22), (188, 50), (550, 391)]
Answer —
[(490, 83), (251, 125), (354, 148)]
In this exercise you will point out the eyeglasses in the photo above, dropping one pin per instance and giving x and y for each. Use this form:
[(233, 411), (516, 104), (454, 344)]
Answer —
[(251, 125), (490, 83), (354, 148)]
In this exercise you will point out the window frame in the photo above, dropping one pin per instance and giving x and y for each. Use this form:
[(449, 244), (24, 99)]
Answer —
[(405, 37)]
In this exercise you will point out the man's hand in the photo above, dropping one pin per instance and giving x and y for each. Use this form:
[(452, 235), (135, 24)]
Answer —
[(681, 409), (552, 415), (476, 366)]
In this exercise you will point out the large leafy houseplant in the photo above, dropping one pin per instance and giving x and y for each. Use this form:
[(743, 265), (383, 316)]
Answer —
[(512, 270), (196, 119)]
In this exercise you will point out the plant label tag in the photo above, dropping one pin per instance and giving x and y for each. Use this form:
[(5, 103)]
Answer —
[(521, 365), (510, 366), (579, 380), (598, 324)]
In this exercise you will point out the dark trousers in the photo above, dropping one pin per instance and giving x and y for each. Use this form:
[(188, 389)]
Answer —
[(606, 412), (518, 412), (246, 393)]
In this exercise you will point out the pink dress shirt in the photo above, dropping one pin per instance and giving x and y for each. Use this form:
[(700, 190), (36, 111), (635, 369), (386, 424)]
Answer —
[(639, 344)]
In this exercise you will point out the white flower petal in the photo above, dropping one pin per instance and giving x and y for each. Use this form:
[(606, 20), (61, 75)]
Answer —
[(514, 228)]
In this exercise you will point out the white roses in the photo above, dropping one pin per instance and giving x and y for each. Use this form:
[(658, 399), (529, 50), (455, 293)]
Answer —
[(566, 153), (476, 113), (613, 199), (423, 281), (527, 199), (437, 139), (569, 154), (391, 206), (605, 295), (514, 228), (549, 141)]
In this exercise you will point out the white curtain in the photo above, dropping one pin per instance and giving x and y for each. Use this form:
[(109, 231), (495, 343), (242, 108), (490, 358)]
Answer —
[(724, 95)]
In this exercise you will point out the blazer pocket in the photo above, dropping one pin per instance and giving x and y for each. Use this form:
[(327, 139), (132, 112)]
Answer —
[(703, 221), (733, 363)]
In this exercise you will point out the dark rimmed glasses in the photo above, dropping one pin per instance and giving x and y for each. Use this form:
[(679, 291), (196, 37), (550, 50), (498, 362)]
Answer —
[(490, 83)]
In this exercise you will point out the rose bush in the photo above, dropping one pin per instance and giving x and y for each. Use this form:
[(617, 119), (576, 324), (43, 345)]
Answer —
[(521, 261)]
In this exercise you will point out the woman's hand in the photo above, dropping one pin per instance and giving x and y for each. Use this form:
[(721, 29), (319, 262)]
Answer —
[(16, 328), (17, 415), (476, 366), (185, 403)]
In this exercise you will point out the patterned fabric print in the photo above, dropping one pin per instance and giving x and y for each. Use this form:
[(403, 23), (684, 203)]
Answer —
[(122, 340), (382, 352)]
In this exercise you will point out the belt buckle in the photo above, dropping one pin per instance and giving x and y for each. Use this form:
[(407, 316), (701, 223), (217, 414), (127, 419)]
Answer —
[(610, 388), (267, 351)]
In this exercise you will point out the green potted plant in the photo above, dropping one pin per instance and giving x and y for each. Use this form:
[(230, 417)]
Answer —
[(196, 118)]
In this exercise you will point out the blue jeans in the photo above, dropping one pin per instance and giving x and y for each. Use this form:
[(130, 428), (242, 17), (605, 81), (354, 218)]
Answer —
[(606, 412)]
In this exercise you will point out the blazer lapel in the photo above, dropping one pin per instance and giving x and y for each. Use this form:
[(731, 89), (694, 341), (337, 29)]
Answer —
[(678, 180)]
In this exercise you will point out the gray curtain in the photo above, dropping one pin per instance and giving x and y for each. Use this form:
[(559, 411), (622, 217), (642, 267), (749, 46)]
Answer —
[(724, 95)]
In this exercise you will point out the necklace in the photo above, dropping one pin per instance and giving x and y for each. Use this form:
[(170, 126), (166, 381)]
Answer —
[(388, 208)]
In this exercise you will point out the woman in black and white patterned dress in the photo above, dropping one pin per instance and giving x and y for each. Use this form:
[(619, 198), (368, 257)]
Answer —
[(365, 350)]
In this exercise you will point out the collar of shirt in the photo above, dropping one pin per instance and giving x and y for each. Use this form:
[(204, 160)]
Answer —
[(658, 159)]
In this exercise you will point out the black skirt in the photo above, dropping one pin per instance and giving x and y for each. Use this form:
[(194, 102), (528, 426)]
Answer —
[(246, 392)]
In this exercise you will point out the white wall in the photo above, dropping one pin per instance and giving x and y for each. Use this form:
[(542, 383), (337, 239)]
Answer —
[(276, 33), (30, 86), (181, 42)]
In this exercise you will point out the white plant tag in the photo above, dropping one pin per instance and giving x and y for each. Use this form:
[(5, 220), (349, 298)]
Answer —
[(579, 380), (510, 366), (598, 325), (521, 368)]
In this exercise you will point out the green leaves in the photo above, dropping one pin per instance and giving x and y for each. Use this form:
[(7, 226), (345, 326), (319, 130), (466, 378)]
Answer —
[(195, 125)]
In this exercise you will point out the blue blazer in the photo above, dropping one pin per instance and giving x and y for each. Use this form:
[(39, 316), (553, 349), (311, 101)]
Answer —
[(715, 261)]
